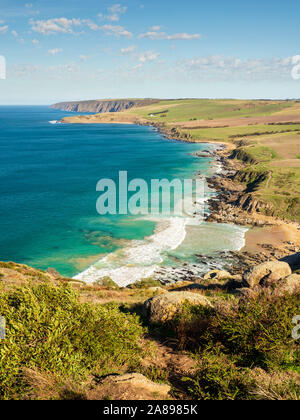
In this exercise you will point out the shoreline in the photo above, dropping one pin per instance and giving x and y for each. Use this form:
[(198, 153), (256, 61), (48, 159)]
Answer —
[(267, 237)]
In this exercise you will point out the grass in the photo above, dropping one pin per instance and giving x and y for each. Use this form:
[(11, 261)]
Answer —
[(229, 133), (276, 186), (190, 109)]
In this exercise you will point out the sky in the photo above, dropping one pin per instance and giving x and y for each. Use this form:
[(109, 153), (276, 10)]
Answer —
[(63, 50)]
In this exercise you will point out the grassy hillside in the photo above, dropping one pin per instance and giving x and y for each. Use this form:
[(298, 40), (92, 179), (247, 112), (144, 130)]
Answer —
[(64, 337), (188, 109)]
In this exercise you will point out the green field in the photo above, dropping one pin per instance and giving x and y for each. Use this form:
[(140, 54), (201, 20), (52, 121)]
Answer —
[(279, 188), (189, 109), (228, 133)]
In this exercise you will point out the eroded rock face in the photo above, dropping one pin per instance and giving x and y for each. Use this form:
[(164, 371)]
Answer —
[(162, 308), (131, 386), (103, 106), (267, 273)]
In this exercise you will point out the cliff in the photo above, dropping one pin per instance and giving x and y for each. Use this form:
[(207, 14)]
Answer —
[(101, 106)]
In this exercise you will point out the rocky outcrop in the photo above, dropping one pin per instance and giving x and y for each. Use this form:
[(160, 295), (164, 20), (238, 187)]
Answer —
[(220, 275), (101, 106), (290, 285), (162, 308), (267, 273)]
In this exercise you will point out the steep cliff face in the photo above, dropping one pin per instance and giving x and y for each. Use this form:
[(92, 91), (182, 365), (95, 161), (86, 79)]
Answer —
[(103, 106)]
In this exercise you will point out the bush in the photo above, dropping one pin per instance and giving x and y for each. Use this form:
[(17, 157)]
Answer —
[(145, 283), (107, 282), (256, 332), (49, 330), (218, 378)]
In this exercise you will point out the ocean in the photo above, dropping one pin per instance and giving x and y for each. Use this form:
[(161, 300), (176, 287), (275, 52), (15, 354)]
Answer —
[(48, 217)]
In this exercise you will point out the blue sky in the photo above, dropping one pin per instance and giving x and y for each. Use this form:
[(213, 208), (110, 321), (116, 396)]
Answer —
[(73, 49)]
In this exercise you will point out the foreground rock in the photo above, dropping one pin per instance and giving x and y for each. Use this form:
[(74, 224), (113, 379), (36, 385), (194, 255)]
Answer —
[(220, 275), (162, 308), (131, 386), (267, 273), (290, 285)]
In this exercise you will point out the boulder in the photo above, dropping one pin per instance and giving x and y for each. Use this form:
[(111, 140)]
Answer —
[(218, 275), (246, 293), (131, 386), (162, 308), (290, 285), (271, 270)]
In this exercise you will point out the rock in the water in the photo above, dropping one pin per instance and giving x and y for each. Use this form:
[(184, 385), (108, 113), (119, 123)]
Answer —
[(131, 386), (162, 308), (271, 270)]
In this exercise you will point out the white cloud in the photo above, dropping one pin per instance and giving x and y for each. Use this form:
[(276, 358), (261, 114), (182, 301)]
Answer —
[(154, 35), (83, 57), (116, 30), (147, 56), (24, 70), (15, 34), (93, 26), (53, 26), (55, 51), (234, 68), (28, 5), (128, 50), (66, 26), (65, 71), (3, 29), (114, 13), (36, 42)]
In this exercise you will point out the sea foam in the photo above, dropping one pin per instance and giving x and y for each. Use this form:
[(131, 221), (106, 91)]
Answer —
[(142, 258)]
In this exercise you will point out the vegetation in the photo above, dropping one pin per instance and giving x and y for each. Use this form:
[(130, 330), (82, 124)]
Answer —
[(65, 335), (198, 109), (50, 331), (229, 343), (61, 340)]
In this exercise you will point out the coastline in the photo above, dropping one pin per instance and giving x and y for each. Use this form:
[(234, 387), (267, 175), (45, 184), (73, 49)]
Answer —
[(267, 237)]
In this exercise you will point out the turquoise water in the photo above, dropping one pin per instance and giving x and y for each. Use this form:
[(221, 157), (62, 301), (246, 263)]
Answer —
[(48, 177)]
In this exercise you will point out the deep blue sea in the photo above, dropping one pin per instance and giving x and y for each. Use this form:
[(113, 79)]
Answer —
[(48, 177)]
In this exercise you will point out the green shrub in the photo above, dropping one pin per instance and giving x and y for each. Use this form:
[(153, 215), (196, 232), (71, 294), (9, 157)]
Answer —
[(49, 330), (256, 332), (107, 282), (145, 283), (218, 378)]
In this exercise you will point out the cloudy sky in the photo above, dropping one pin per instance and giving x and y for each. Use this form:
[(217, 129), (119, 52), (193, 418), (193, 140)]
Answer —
[(73, 49)]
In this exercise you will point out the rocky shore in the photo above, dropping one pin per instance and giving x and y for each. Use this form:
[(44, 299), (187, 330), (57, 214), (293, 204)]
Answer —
[(268, 237)]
